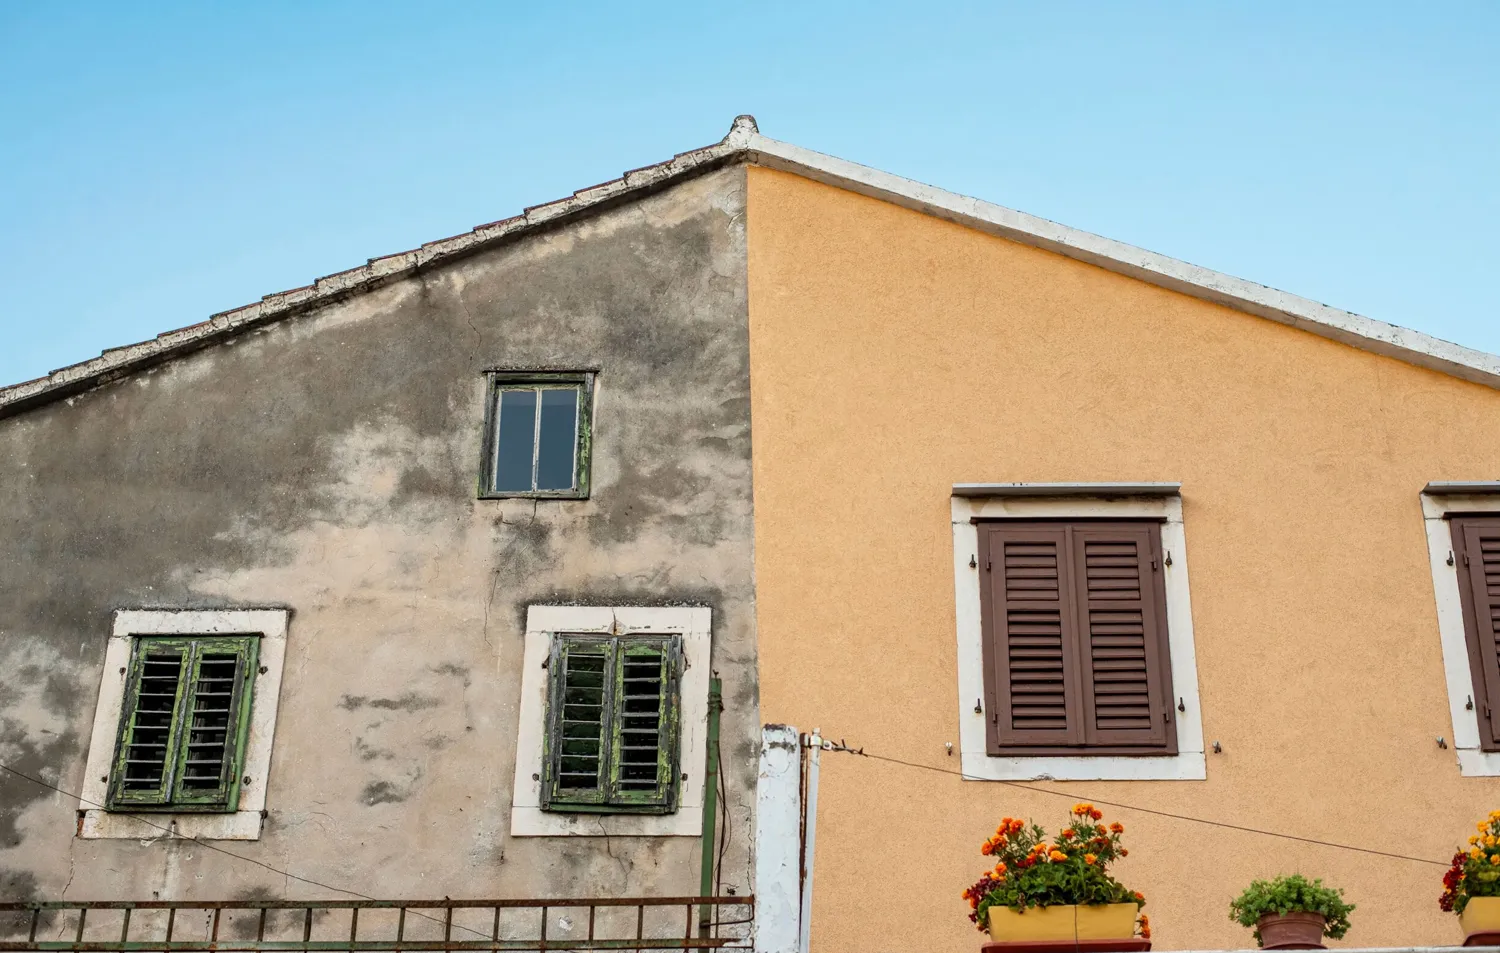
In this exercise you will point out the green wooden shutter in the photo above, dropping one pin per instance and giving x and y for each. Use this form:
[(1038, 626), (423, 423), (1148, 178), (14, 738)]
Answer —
[(184, 724), (644, 754), (612, 724), (581, 688), (146, 753)]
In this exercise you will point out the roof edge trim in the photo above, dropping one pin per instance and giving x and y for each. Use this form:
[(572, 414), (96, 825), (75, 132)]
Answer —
[(744, 143)]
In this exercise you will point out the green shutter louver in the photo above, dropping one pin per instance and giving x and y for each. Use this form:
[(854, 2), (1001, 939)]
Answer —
[(183, 725), (612, 724)]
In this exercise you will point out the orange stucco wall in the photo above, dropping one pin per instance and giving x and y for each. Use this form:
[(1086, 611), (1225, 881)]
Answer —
[(894, 354)]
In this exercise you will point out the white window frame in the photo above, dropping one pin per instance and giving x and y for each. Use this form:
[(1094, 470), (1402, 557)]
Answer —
[(1472, 761), (244, 823), (694, 625), (1038, 501)]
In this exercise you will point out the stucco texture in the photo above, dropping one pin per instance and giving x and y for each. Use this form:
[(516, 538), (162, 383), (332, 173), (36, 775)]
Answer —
[(329, 463), (894, 354)]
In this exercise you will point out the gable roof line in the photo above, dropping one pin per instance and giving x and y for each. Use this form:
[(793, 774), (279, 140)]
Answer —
[(745, 143), (1367, 334)]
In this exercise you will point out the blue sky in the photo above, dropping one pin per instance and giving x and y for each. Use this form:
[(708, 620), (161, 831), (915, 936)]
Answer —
[(160, 163)]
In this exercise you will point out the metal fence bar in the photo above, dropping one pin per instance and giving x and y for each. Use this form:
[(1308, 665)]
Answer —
[(150, 939), (367, 904)]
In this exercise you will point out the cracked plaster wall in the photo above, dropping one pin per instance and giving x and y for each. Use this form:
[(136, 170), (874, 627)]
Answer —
[(328, 463)]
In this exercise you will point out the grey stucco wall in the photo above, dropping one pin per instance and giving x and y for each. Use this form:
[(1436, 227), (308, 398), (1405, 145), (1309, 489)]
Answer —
[(328, 463)]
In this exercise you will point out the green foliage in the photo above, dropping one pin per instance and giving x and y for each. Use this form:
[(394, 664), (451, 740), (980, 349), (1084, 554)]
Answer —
[(1292, 893)]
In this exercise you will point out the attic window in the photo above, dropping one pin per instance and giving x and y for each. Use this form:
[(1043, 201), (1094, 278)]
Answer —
[(537, 435)]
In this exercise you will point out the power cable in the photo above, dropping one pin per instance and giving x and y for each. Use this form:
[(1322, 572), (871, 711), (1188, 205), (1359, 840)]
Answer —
[(228, 853), (841, 747)]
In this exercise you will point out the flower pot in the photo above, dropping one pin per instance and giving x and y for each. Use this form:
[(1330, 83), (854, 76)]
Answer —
[(1481, 915), (1108, 921), (1291, 931)]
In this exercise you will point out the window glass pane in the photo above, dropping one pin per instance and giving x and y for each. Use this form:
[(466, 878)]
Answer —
[(515, 440), (554, 470)]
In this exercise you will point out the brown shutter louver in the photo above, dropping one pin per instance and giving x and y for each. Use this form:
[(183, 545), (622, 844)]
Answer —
[(1476, 547), (1075, 638)]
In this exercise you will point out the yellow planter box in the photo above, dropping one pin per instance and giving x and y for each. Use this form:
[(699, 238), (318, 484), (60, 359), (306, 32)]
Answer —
[(1481, 915), (1109, 921)]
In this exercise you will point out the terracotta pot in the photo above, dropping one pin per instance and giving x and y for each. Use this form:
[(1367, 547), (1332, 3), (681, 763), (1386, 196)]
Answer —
[(1108, 921), (1481, 915), (1291, 931)]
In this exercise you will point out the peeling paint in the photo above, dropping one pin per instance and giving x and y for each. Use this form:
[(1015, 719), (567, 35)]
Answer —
[(329, 464)]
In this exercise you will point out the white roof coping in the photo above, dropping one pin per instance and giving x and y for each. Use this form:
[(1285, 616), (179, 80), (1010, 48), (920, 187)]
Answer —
[(744, 143)]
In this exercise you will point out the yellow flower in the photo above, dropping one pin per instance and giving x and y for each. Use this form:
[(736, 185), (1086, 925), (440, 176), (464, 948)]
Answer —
[(1482, 826), (1089, 858), (1476, 853), (1058, 856), (1495, 815), (1473, 839), (1495, 859)]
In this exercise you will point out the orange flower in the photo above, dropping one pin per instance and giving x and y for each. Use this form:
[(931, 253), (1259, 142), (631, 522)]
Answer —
[(1117, 828), (1000, 867), (1096, 813), (1124, 852), (1058, 856), (1140, 897), (1067, 833), (1145, 927), (1089, 858), (1082, 808)]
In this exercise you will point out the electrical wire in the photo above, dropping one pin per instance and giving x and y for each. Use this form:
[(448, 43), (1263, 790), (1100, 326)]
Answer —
[(1073, 795), (228, 853)]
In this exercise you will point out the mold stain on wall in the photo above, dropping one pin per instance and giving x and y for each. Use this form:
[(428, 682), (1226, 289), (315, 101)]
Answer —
[(328, 463)]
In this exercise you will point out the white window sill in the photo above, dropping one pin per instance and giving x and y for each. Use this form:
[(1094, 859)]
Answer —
[(98, 825), (1184, 766), (687, 821)]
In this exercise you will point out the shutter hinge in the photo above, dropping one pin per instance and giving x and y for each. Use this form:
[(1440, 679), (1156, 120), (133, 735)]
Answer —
[(1166, 716), (988, 564), (1153, 564), (1466, 559)]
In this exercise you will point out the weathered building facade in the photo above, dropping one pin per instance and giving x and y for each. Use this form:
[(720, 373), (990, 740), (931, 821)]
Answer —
[(326, 466)]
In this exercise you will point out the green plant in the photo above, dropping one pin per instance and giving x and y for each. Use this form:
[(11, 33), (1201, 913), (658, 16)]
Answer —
[(1292, 893), (1475, 873), (1030, 871)]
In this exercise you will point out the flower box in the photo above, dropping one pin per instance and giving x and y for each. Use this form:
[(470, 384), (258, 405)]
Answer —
[(1107, 921)]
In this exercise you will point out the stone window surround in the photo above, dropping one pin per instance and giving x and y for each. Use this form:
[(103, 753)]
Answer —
[(1074, 501), (694, 624), (245, 822), (1439, 500)]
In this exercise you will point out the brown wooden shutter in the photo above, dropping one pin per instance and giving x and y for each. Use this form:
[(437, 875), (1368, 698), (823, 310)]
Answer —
[(1032, 673), (1125, 680), (1075, 638), (1476, 547)]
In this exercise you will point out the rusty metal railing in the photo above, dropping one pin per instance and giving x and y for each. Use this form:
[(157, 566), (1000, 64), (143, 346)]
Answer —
[(371, 926)]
